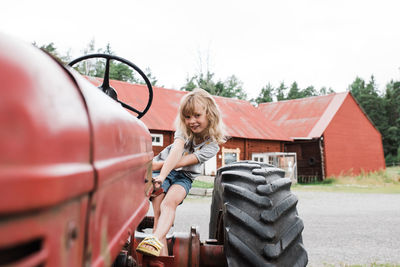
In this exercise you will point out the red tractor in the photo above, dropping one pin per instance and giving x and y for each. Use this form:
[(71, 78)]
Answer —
[(75, 180)]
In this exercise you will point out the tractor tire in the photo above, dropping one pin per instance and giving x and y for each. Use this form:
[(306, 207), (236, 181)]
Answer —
[(254, 215)]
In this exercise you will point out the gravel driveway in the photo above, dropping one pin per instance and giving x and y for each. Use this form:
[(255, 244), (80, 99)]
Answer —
[(340, 228), (345, 228)]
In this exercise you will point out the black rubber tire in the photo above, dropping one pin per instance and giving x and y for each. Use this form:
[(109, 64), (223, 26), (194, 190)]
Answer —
[(254, 214)]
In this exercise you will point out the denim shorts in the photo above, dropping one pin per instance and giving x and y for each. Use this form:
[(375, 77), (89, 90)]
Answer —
[(175, 177)]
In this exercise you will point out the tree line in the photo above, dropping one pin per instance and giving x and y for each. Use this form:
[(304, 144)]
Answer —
[(96, 67), (383, 108)]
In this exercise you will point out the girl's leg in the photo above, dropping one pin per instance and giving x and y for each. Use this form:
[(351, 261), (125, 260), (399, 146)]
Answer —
[(156, 203), (175, 195)]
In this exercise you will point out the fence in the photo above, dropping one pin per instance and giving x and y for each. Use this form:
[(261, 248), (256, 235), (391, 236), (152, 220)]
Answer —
[(286, 161)]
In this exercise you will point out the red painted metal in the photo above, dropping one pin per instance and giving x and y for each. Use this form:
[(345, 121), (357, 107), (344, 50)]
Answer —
[(45, 169), (44, 137), (73, 165), (75, 170), (51, 231), (241, 118), (122, 156)]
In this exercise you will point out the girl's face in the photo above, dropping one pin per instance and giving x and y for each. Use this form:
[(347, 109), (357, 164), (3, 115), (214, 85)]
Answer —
[(197, 122)]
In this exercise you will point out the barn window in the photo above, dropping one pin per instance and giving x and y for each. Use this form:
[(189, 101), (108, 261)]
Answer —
[(230, 155), (259, 157), (157, 139)]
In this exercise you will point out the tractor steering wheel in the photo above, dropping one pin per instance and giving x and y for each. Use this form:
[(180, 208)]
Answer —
[(106, 88)]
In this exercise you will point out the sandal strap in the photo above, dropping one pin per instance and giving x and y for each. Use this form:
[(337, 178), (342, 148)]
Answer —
[(153, 241)]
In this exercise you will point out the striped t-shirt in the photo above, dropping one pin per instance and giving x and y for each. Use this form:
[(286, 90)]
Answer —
[(203, 152)]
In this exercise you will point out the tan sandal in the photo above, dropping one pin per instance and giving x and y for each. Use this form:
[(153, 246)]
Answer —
[(150, 246)]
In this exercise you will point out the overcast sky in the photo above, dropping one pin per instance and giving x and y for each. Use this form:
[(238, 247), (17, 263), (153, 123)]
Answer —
[(314, 42)]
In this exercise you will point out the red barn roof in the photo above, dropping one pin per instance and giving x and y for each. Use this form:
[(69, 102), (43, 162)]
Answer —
[(305, 117), (241, 118)]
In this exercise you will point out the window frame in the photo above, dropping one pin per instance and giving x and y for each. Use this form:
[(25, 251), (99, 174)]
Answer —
[(155, 136)]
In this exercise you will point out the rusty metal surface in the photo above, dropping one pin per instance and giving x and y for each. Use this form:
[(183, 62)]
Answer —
[(212, 255), (305, 117), (241, 118)]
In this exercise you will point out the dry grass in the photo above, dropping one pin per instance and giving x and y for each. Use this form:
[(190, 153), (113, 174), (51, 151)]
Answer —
[(388, 177), (384, 181)]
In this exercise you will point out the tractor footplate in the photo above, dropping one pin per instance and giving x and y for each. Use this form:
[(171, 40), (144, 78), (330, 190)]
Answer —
[(185, 249)]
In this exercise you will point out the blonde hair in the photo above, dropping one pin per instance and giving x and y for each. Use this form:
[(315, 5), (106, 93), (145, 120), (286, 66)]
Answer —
[(215, 129)]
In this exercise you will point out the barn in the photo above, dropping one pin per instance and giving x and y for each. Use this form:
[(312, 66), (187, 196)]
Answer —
[(249, 133), (331, 135)]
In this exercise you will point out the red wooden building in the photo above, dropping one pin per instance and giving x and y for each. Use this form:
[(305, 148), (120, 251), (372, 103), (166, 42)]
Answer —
[(332, 135), (250, 133)]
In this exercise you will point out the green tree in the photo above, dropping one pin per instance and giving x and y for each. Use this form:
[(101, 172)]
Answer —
[(51, 49), (357, 87), (324, 91), (92, 67), (118, 70), (368, 97), (391, 135), (153, 80), (266, 94), (231, 87), (281, 92), (107, 50), (294, 91), (204, 81), (309, 91)]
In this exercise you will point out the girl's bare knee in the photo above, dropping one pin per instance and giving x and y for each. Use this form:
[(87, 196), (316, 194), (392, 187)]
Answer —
[(168, 204)]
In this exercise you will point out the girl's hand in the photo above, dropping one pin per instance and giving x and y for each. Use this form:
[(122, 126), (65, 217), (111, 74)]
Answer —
[(157, 182)]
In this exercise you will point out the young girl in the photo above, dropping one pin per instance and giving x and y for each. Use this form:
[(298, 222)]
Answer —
[(197, 138)]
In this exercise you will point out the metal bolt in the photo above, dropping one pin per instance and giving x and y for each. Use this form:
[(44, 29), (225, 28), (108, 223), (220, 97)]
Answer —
[(72, 233)]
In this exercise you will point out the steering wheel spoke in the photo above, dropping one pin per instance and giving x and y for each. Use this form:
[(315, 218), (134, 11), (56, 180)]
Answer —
[(131, 108), (106, 80), (105, 86)]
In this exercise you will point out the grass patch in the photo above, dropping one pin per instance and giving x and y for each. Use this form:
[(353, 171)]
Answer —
[(201, 184), (384, 181)]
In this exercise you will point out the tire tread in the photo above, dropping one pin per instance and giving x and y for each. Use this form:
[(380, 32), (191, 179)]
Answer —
[(259, 217)]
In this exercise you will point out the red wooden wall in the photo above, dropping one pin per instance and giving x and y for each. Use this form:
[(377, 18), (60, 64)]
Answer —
[(168, 139), (352, 144)]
